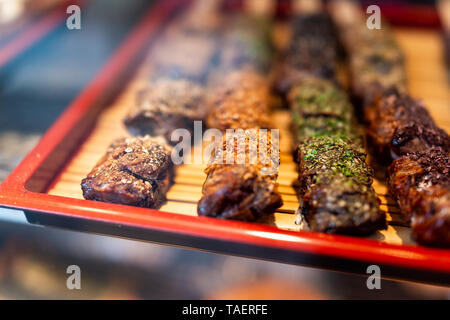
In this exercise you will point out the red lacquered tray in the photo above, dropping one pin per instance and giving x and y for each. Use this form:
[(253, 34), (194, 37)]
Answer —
[(38, 184)]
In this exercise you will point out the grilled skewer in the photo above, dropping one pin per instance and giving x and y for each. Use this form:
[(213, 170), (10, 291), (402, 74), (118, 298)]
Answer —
[(245, 190), (399, 128), (174, 97), (134, 171), (245, 43), (313, 42), (164, 106), (336, 187), (398, 125), (241, 101), (375, 60), (420, 182), (190, 51), (320, 109), (335, 183)]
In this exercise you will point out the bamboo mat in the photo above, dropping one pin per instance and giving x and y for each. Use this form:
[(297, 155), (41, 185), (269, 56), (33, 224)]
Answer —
[(427, 81)]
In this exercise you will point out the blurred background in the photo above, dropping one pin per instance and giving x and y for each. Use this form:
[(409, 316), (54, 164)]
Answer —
[(36, 84)]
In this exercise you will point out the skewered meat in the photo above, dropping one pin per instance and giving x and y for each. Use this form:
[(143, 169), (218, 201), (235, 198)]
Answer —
[(190, 51), (399, 125), (317, 96), (379, 65), (322, 126), (134, 171), (336, 187), (335, 183), (164, 106), (374, 58), (420, 182), (242, 190), (344, 207), (174, 99), (189, 56), (328, 156), (246, 44), (320, 108), (240, 101), (312, 51)]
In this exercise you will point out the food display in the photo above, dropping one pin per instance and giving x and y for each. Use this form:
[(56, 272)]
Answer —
[(217, 70), (228, 85), (306, 138)]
